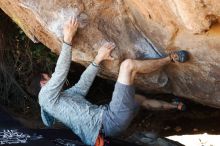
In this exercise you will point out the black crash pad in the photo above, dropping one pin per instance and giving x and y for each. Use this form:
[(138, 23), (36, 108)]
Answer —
[(14, 133)]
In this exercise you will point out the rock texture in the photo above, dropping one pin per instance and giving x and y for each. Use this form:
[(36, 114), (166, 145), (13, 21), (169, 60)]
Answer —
[(141, 29)]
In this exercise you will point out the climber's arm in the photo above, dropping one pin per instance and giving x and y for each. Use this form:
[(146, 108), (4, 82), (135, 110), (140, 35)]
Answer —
[(54, 85), (88, 76)]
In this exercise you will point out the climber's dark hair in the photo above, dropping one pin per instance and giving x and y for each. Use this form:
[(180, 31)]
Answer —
[(34, 86)]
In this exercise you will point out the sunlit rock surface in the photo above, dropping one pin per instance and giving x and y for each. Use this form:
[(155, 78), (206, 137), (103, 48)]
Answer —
[(141, 29)]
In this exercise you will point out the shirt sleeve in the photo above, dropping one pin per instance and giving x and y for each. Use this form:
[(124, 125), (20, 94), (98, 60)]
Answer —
[(85, 82), (54, 86)]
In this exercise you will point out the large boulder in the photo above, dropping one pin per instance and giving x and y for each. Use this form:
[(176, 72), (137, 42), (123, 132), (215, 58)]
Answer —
[(141, 29)]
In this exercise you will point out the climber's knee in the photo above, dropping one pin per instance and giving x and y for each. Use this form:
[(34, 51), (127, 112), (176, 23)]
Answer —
[(127, 65), (127, 72)]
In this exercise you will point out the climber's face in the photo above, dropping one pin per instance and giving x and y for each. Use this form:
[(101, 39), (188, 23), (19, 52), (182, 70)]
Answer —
[(45, 79)]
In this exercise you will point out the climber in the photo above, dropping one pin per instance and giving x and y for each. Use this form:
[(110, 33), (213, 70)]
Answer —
[(90, 122)]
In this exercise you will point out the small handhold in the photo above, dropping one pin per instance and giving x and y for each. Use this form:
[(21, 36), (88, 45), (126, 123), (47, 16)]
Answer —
[(83, 20)]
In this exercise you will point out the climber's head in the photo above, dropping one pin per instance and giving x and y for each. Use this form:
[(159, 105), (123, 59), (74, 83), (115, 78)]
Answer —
[(44, 79), (37, 82)]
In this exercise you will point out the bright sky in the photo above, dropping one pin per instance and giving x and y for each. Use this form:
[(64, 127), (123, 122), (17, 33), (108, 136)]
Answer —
[(197, 140)]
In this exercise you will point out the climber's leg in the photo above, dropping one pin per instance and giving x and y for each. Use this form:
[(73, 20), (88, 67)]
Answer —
[(154, 104), (123, 106), (129, 68)]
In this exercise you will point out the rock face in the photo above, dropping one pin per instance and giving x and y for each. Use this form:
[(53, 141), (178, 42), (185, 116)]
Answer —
[(141, 29)]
